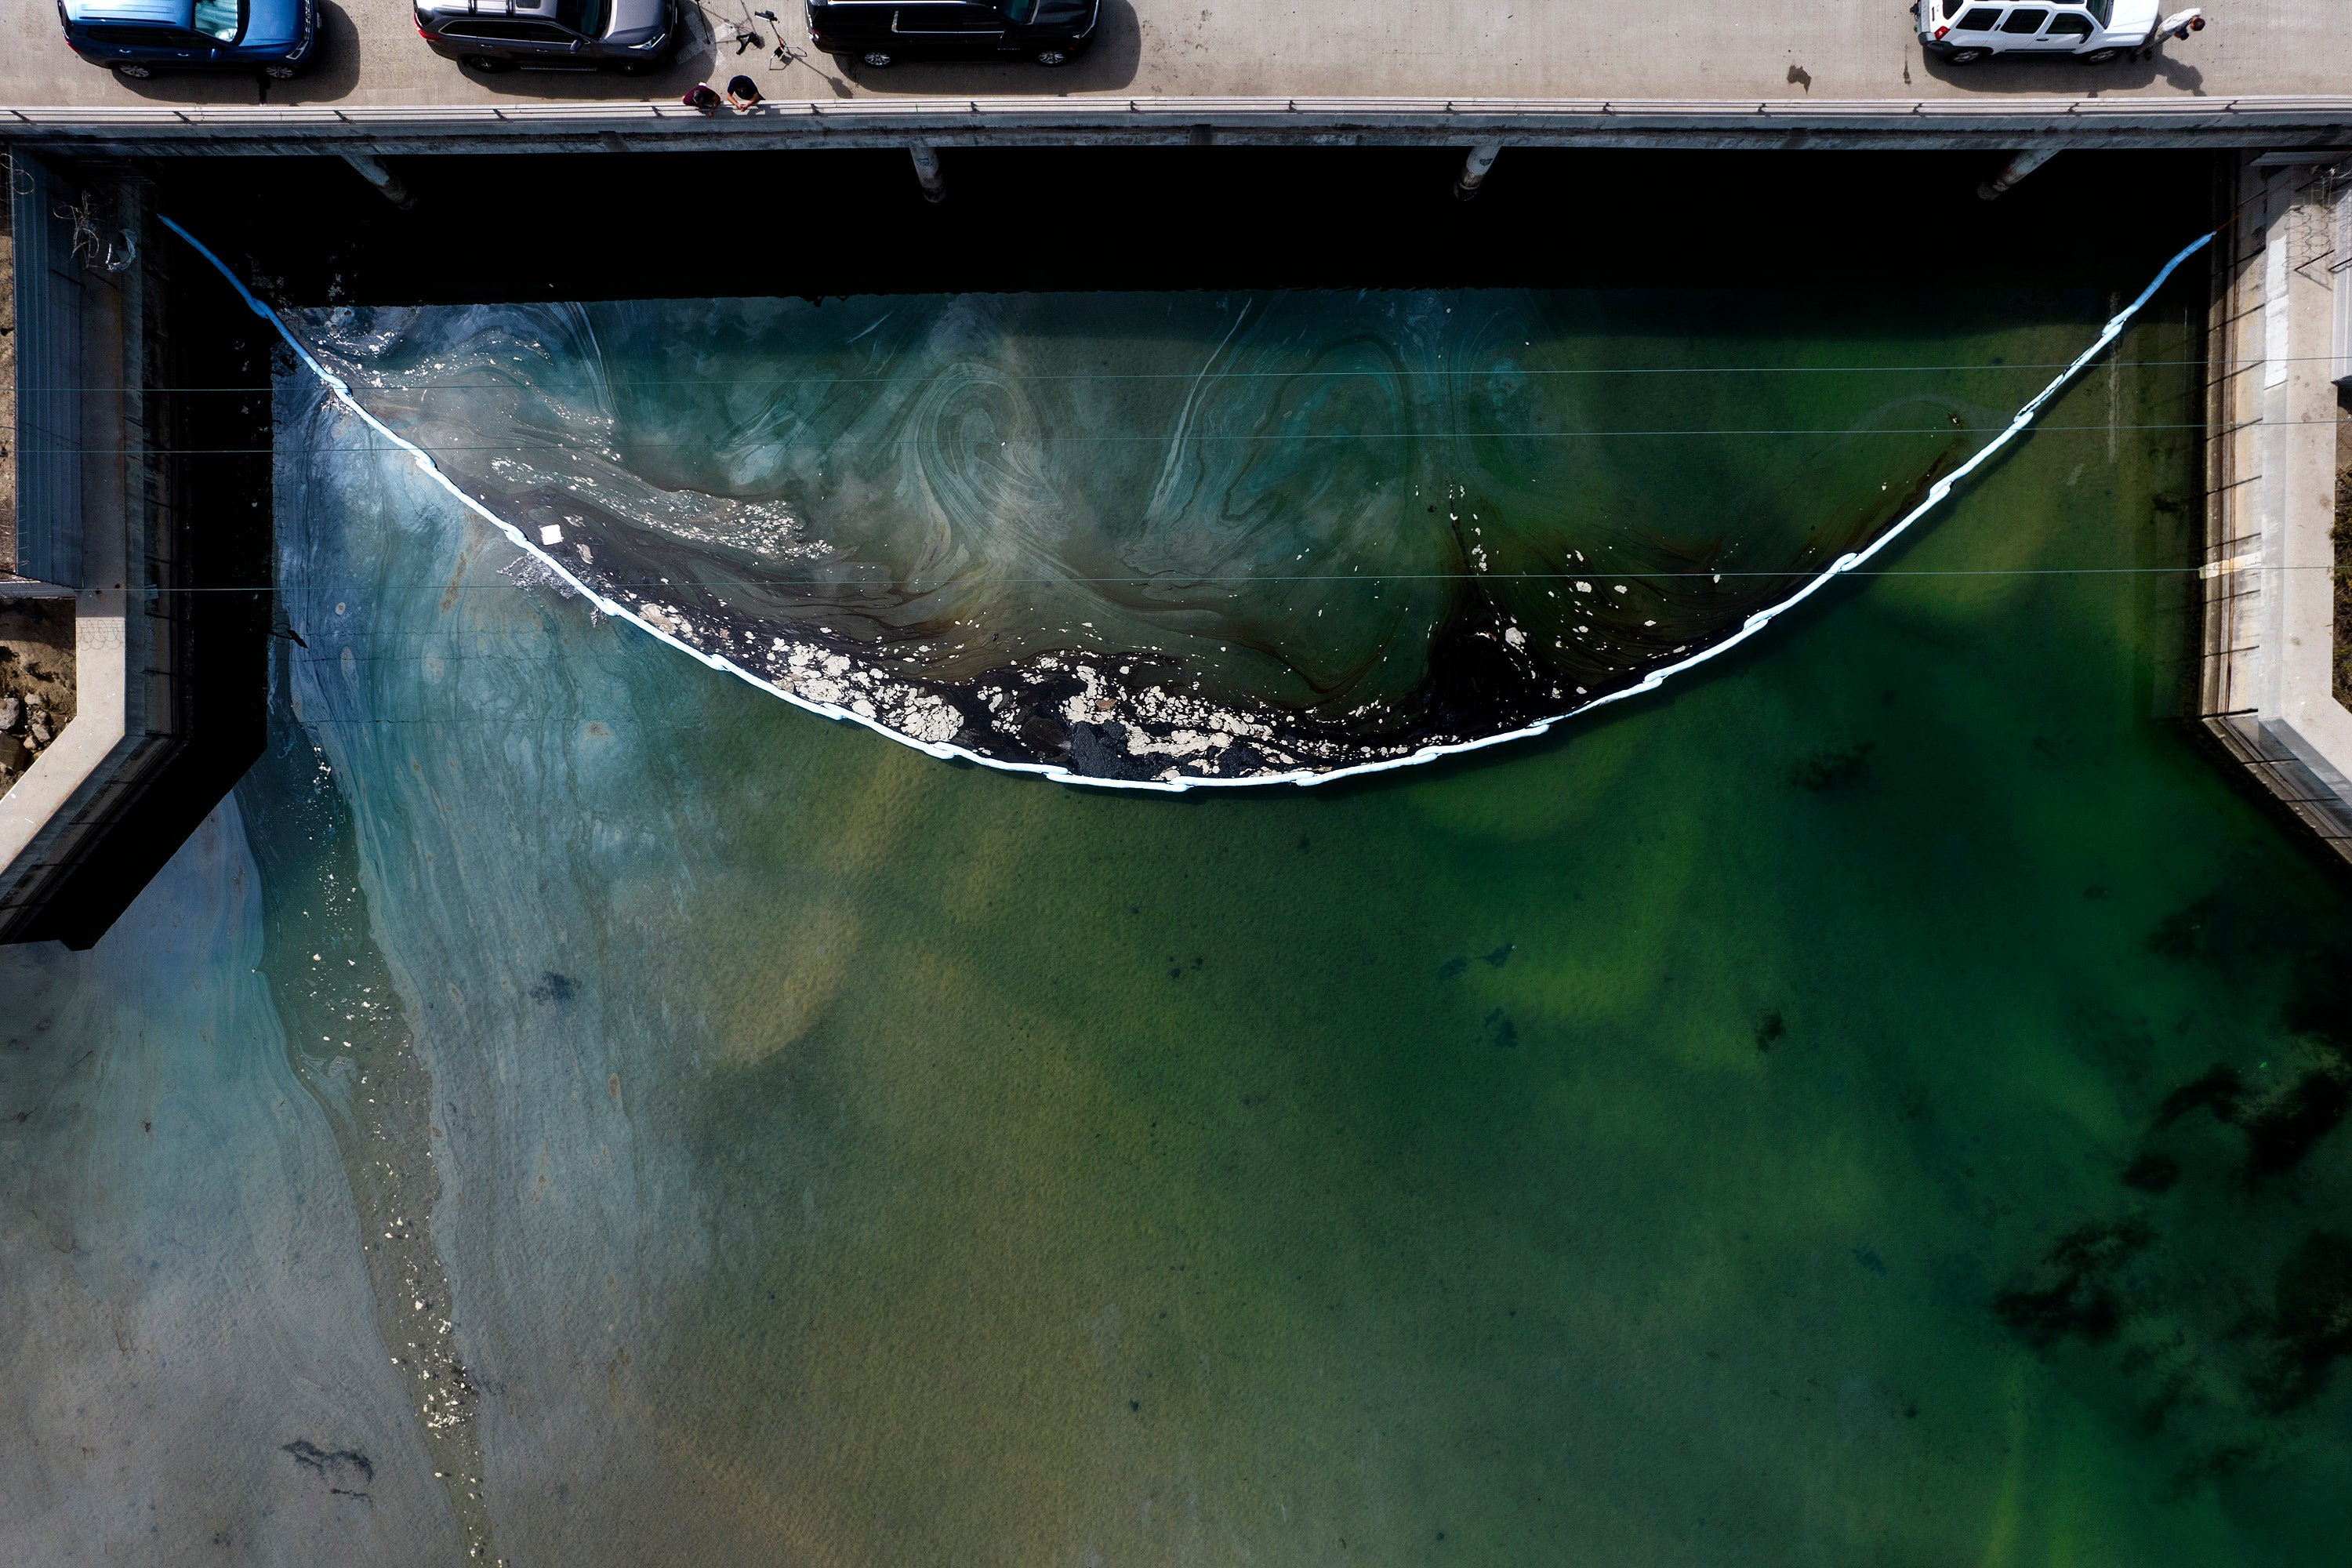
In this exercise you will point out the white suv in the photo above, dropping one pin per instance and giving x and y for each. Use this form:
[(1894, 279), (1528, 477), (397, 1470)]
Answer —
[(1962, 32)]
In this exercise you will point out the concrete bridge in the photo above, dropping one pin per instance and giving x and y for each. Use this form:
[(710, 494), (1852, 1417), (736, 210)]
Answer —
[(1679, 73)]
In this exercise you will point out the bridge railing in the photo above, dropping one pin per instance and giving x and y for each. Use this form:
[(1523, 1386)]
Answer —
[(1878, 122)]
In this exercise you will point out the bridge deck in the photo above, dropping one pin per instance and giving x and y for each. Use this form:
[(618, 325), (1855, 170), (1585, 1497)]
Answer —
[(1759, 73)]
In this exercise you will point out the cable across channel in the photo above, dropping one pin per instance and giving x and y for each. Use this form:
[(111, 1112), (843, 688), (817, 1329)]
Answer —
[(1938, 493)]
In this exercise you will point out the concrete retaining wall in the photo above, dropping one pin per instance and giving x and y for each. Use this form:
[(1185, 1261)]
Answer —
[(2265, 689), (85, 503), (168, 480), (48, 314)]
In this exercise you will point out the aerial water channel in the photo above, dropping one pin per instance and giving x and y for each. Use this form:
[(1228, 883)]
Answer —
[(1874, 1100)]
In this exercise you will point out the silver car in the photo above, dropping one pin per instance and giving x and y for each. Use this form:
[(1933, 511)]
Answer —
[(627, 35)]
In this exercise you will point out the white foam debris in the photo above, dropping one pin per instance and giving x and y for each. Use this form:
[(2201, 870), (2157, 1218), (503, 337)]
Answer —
[(930, 718), (1178, 744), (817, 675), (552, 534)]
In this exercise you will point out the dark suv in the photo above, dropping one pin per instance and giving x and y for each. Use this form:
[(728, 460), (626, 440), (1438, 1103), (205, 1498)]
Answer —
[(627, 35), (140, 37), (881, 32)]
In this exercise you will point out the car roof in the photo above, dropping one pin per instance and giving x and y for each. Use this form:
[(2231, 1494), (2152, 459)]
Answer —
[(523, 10), (169, 12)]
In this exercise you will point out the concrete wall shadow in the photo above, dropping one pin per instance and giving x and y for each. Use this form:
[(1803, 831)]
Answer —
[(1110, 65), (2047, 75)]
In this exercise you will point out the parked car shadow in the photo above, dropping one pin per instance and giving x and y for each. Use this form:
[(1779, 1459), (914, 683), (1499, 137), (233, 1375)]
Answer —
[(694, 60), (195, 86), (2056, 76), (1110, 65), (334, 69)]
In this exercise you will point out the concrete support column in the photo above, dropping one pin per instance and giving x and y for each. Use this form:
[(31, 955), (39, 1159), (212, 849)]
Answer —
[(385, 181), (2016, 169), (1474, 169), (927, 172)]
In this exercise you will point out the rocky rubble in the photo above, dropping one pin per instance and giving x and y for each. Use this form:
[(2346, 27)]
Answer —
[(36, 680)]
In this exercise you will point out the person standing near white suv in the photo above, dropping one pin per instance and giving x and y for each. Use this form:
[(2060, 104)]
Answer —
[(1962, 32)]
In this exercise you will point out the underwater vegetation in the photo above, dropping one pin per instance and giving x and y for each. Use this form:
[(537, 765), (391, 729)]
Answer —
[(2221, 1344)]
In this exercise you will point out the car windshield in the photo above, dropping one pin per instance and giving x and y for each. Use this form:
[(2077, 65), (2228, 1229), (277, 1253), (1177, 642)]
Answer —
[(2102, 10), (222, 20), (1017, 11), (581, 16)]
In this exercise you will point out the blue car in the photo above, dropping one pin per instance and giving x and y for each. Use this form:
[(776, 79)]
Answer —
[(140, 37)]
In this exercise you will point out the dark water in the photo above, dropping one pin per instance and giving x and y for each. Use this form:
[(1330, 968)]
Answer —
[(1161, 536), (1877, 1102)]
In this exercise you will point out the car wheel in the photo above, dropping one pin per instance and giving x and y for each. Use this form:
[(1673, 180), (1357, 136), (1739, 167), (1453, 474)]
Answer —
[(279, 73), (877, 60), (135, 72), (1052, 58), (1966, 57), (489, 65), (2102, 57)]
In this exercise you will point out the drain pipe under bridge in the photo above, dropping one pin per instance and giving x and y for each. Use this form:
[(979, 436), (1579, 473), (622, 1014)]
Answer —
[(1474, 169), (2016, 169)]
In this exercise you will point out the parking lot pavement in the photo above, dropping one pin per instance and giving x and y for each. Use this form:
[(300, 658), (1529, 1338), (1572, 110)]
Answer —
[(1785, 51)]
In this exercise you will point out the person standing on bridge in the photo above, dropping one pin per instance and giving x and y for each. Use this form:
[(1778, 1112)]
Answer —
[(2177, 26)]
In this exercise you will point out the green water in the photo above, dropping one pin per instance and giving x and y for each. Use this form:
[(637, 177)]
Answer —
[(1697, 1138)]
